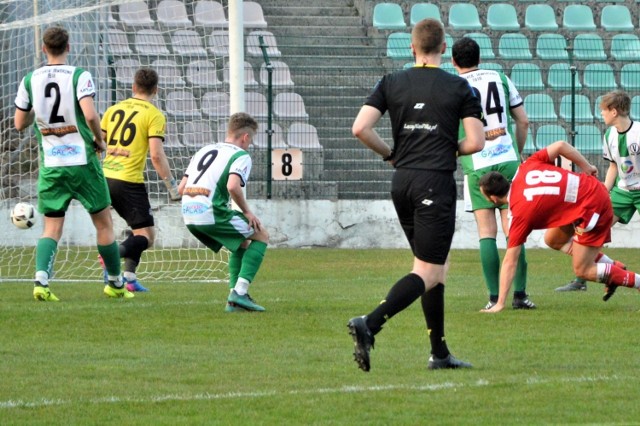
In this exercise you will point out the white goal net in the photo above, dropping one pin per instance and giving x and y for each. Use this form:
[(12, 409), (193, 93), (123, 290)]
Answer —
[(111, 39)]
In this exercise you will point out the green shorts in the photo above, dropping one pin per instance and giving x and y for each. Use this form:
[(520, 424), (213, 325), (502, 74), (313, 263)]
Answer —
[(473, 198), (230, 233), (57, 186), (625, 203)]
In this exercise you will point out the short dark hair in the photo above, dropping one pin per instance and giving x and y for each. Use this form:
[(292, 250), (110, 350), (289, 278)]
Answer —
[(240, 123), (427, 36), (466, 53), (146, 80), (493, 183), (56, 40)]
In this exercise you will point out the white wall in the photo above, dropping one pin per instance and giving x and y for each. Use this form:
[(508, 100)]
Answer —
[(317, 223)]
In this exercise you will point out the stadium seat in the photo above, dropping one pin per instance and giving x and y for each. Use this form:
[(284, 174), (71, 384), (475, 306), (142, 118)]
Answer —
[(448, 67), (399, 46), (625, 47), (289, 106), (216, 104), (420, 11), (552, 47), (549, 133), (210, 15), (253, 16), (135, 15), (527, 76), (203, 74), (172, 15), (483, 40), (491, 66), (218, 42), (540, 17), (181, 105), (630, 77), (449, 41), (187, 43), (260, 141), (502, 17), (250, 81), (256, 105), (118, 43), (197, 133), (582, 109), (303, 136), (253, 44), (280, 75), (596, 109), (125, 70), (514, 46), (171, 135), (588, 139), (599, 77), (464, 16), (529, 146), (388, 16), (540, 107), (169, 75), (151, 42), (560, 77), (635, 108), (106, 15), (578, 17), (616, 18), (588, 47)]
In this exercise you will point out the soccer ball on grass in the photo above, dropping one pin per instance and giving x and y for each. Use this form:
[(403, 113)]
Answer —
[(23, 215)]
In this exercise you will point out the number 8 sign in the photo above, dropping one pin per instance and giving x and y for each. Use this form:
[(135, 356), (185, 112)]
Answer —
[(286, 164)]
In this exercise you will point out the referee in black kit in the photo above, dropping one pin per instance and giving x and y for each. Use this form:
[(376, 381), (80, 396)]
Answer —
[(426, 105)]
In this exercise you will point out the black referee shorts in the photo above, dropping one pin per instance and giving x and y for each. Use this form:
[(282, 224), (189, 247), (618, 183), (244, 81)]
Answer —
[(131, 202), (425, 202)]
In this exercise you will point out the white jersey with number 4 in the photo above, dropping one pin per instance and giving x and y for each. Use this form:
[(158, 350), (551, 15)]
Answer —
[(54, 92), (498, 96), (206, 199)]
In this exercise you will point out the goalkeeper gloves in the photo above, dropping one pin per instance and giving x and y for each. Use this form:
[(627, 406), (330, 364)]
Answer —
[(172, 188)]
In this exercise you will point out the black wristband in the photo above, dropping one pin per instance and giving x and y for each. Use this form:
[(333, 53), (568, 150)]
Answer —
[(388, 157)]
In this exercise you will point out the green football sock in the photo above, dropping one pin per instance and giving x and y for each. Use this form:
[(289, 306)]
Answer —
[(490, 260), (252, 260), (46, 254), (111, 256), (520, 280), (235, 263)]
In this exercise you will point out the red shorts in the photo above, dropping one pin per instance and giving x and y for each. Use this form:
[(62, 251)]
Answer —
[(596, 232)]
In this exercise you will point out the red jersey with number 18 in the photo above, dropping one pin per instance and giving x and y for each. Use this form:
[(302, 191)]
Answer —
[(546, 196)]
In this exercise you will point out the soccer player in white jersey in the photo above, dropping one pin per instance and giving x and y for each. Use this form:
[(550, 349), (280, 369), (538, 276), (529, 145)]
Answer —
[(622, 149), (215, 176), (58, 99), (501, 103)]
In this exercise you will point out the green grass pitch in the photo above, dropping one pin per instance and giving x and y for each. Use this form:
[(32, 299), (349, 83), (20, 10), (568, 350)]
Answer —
[(172, 356)]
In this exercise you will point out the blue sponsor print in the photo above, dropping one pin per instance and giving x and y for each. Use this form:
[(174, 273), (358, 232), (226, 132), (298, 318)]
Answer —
[(627, 166), (64, 151), (495, 151), (193, 209)]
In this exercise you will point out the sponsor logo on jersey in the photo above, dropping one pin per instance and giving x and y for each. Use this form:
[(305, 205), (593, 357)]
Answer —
[(421, 126), (494, 151), (194, 209), (194, 191), (626, 166), (58, 131), (64, 151), (419, 105), (634, 148), (88, 88)]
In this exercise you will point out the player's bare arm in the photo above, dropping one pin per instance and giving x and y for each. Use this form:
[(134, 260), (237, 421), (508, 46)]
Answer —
[(93, 121), (363, 129), (521, 120), (234, 186), (474, 140), (562, 148), (507, 274), (611, 176), (23, 119)]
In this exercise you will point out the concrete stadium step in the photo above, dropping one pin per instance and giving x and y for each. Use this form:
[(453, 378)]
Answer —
[(335, 21), (268, 4), (315, 10), (315, 30), (339, 154)]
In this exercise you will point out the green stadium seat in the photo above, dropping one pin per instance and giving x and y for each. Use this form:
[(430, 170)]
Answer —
[(420, 11), (540, 107), (552, 47), (582, 109), (529, 146), (599, 77), (540, 17), (527, 76), (588, 139), (514, 46), (625, 47), (578, 17), (589, 47), (616, 18), (448, 67), (502, 17), (388, 16), (635, 108), (483, 40), (491, 66), (464, 16), (560, 77), (630, 77), (449, 40), (399, 46), (596, 109), (549, 133)]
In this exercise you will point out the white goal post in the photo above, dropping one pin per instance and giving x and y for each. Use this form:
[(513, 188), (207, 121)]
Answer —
[(201, 81)]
